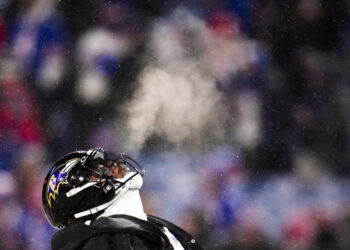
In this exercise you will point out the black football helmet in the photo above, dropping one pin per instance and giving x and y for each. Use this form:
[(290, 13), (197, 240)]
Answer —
[(70, 194)]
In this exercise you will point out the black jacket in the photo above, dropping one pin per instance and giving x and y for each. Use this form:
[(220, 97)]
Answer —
[(121, 232)]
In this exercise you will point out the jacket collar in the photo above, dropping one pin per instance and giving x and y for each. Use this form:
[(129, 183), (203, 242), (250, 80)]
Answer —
[(74, 235)]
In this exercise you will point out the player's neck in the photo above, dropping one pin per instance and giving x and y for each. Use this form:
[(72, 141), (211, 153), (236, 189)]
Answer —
[(128, 204)]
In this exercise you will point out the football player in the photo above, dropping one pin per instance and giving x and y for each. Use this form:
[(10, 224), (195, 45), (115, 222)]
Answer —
[(93, 198)]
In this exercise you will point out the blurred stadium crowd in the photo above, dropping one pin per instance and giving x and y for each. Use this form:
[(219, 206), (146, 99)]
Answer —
[(277, 177)]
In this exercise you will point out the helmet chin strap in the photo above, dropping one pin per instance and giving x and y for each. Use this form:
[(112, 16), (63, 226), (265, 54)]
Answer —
[(94, 210), (76, 190)]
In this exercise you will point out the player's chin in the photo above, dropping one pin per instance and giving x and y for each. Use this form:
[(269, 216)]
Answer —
[(123, 169), (120, 172)]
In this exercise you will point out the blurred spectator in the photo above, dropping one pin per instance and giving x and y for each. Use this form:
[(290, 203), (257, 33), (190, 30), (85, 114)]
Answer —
[(28, 173), (20, 121), (38, 40), (102, 50)]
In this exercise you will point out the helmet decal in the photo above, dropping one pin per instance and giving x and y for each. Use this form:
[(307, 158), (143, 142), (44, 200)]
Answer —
[(58, 177)]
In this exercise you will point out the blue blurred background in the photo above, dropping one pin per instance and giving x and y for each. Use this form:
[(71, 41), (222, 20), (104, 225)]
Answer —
[(238, 110)]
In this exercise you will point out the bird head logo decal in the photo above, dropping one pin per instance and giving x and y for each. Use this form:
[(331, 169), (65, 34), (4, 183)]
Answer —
[(59, 177)]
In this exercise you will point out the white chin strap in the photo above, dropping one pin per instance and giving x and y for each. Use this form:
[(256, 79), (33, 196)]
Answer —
[(133, 184), (75, 191)]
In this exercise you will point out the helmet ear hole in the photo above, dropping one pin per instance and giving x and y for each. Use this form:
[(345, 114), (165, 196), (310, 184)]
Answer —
[(78, 179)]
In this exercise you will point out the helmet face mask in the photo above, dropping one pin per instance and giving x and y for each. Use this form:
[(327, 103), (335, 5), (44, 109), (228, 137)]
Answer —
[(82, 184)]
